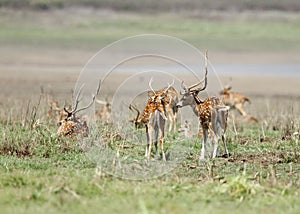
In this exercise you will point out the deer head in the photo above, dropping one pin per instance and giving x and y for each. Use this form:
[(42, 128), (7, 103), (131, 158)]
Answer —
[(155, 101), (160, 94), (226, 90), (69, 124), (189, 94), (137, 121)]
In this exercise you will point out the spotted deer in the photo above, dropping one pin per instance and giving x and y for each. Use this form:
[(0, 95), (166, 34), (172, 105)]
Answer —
[(234, 100), (153, 118), (169, 97), (69, 124), (212, 114)]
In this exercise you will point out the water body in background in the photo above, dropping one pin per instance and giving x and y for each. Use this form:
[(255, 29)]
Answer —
[(220, 69), (258, 69)]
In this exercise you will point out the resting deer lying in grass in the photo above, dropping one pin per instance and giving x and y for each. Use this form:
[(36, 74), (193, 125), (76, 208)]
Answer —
[(185, 129), (69, 124), (153, 118), (212, 114)]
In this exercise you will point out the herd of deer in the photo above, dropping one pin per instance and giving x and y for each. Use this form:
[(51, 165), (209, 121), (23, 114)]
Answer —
[(163, 106)]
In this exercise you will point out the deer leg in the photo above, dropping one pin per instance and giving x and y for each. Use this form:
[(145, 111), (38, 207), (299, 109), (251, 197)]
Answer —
[(174, 121), (204, 140), (240, 109), (161, 140), (149, 148), (156, 138), (222, 126), (216, 143), (171, 122), (150, 141), (225, 146)]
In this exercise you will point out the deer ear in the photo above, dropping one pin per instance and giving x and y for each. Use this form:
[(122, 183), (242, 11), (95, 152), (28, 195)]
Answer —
[(163, 96), (227, 87), (151, 94)]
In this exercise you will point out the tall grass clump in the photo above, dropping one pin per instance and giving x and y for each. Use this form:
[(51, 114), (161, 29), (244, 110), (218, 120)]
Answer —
[(238, 187)]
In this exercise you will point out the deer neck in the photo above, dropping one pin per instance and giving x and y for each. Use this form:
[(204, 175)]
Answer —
[(197, 100), (194, 105)]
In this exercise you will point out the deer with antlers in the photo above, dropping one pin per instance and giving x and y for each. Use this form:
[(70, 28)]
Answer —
[(70, 125), (170, 100), (169, 97), (212, 114), (153, 118)]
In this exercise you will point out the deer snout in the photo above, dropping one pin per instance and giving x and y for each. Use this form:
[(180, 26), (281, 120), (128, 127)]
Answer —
[(179, 104)]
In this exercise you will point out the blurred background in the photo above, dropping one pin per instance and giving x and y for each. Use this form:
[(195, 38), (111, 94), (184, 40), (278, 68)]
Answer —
[(253, 45)]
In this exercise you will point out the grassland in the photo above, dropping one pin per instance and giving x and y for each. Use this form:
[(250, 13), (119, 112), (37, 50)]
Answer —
[(86, 28), (41, 172)]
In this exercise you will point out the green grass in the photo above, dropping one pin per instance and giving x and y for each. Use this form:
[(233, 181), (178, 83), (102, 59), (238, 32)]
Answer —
[(53, 175), (94, 30), (40, 172)]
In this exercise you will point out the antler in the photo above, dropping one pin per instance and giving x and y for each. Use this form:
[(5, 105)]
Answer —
[(169, 85), (91, 103), (197, 90), (101, 102), (183, 86), (76, 102), (74, 109), (193, 86), (150, 85), (204, 79)]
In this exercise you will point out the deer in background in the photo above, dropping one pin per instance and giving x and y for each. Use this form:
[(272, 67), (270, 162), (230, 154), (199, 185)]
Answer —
[(234, 100), (54, 110), (212, 114), (185, 129), (70, 125), (153, 118), (104, 113)]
